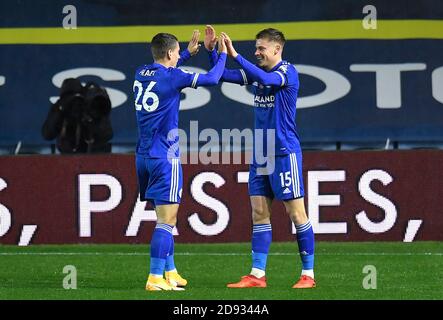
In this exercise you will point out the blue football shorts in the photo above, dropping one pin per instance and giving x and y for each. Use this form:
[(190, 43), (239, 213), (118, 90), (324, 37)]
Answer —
[(282, 180), (160, 181)]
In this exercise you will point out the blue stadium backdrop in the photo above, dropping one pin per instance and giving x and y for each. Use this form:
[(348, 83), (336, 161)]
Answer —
[(356, 84)]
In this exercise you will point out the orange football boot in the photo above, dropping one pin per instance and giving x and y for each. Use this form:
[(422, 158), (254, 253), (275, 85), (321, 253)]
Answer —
[(249, 281), (304, 282)]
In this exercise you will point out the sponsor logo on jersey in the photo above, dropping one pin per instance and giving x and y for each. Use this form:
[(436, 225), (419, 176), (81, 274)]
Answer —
[(264, 101)]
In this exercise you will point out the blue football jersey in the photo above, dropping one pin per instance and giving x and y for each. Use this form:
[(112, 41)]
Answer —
[(275, 108), (275, 105), (157, 99)]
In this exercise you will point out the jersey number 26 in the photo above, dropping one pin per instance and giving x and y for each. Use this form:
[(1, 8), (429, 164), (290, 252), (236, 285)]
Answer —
[(149, 101)]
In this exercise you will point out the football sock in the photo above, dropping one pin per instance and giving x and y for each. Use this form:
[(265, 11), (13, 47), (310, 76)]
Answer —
[(261, 241), (257, 272), (170, 265), (160, 246), (305, 240)]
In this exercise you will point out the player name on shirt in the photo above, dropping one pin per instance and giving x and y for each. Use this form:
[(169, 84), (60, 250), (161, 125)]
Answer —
[(147, 73)]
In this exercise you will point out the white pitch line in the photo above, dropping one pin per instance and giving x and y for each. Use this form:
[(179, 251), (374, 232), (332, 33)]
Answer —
[(215, 254)]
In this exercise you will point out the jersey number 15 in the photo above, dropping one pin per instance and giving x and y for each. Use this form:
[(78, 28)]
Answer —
[(148, 96)]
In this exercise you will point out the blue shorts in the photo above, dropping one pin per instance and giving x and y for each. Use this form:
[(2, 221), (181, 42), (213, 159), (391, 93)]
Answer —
[(282, 180), (160, 181)]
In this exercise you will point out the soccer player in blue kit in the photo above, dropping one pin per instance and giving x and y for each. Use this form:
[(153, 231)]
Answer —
[(157, 88), (275, 85)]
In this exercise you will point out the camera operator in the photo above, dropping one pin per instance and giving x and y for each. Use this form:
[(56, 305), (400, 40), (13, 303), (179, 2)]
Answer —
[(79, 120)]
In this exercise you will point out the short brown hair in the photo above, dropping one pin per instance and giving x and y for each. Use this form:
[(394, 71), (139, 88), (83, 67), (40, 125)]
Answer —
[(272, 35), (161, 43)]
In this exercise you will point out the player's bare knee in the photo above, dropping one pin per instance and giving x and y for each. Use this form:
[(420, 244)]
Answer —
[(172, 221), (260, 215), (296, 210), (167, 218), (298, 216)]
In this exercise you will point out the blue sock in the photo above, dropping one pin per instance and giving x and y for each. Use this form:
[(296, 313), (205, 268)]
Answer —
[(160, 245), (305, 240), (261, 241), (170, 265)]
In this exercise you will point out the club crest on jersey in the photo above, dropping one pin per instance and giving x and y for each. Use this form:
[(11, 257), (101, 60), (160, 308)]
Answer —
[(283, 68)]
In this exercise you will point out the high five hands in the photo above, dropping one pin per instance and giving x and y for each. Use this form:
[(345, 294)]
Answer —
[(222, 44), (223, 41), (194, 46), (229, 46), (211, 40)]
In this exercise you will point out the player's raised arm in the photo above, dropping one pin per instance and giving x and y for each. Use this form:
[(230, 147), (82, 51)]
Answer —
[(233, 76), (191, 50), (252, 71), (210, 42), (214, 75), (183, 79)]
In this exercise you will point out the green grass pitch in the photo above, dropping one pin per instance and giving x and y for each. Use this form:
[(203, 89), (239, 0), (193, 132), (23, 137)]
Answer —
[(403, 271)]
